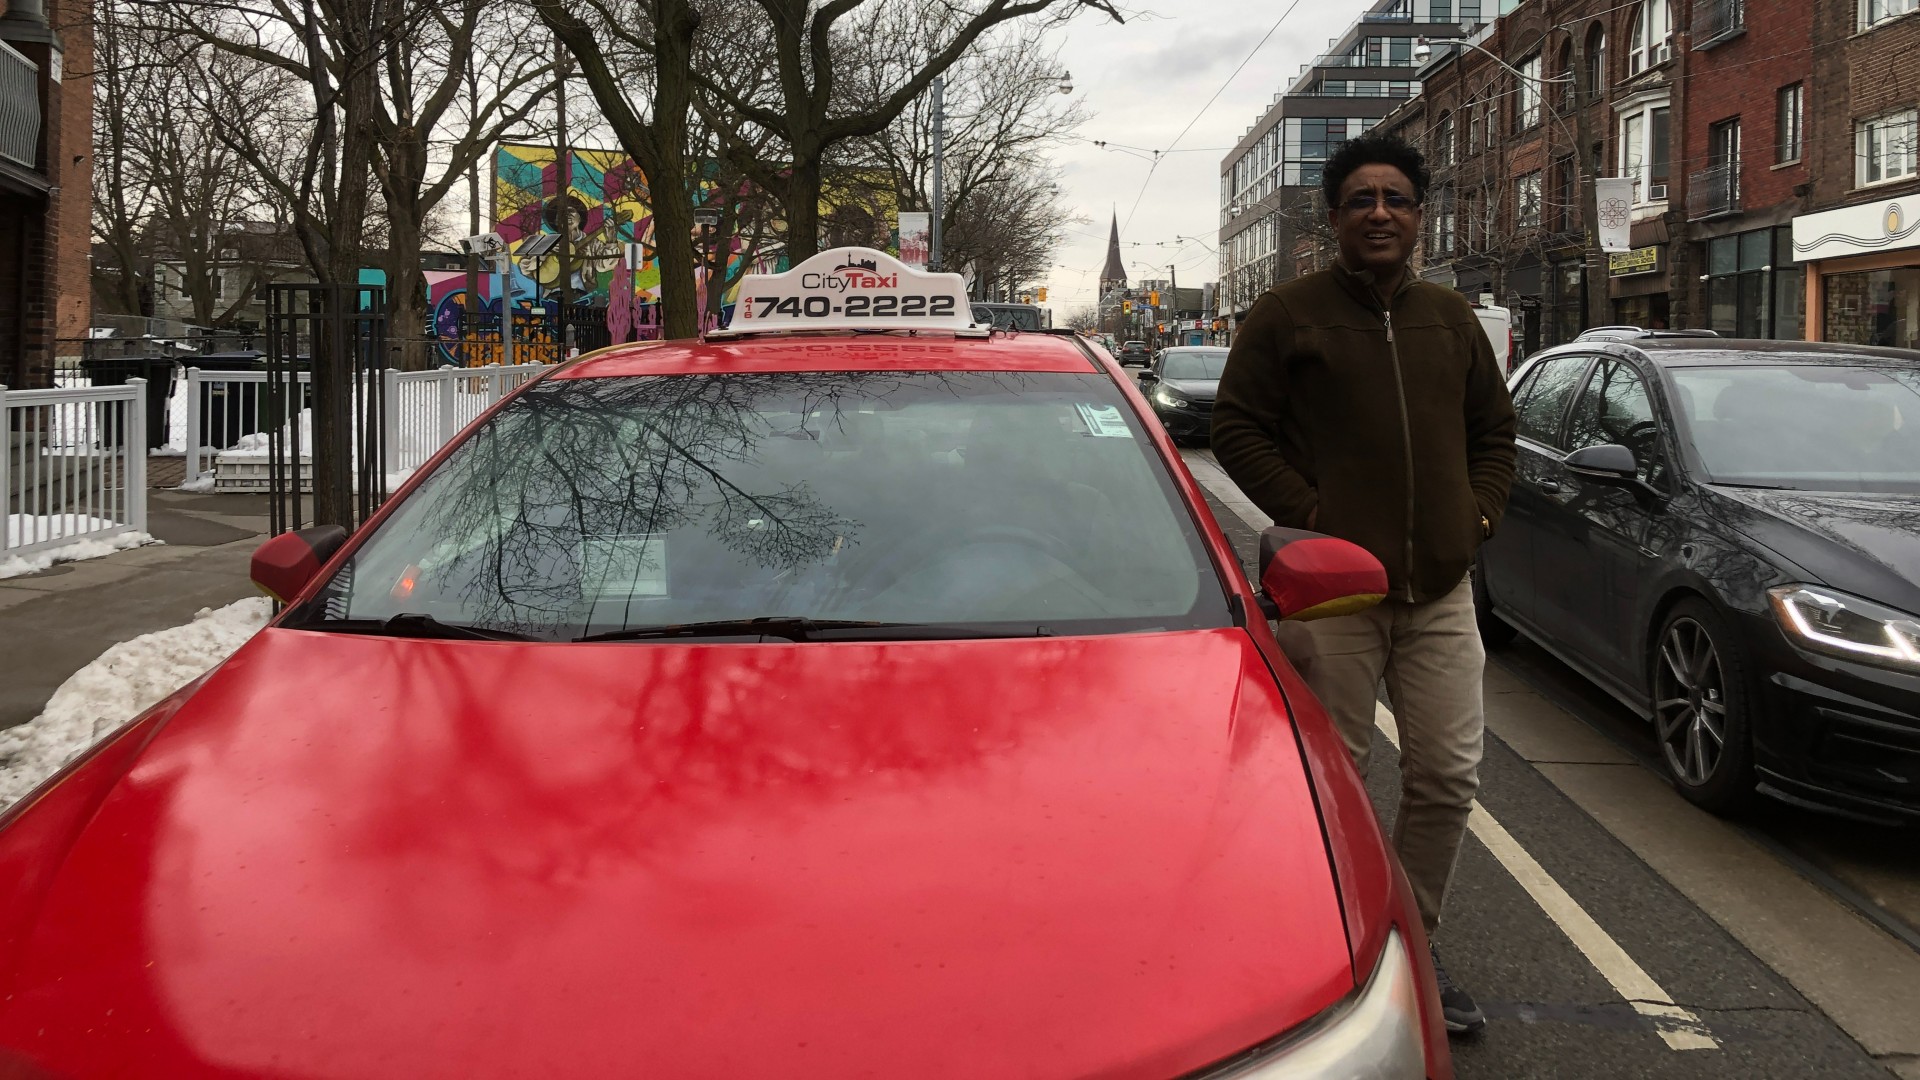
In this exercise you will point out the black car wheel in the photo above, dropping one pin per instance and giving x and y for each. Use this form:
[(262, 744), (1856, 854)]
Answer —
[(1702, 705), (1494, 630)]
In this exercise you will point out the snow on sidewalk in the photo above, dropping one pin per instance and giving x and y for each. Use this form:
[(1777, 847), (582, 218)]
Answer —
[(118, 686), (23, 529)]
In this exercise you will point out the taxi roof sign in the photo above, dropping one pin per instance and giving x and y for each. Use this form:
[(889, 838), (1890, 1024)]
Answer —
[(852, 288)]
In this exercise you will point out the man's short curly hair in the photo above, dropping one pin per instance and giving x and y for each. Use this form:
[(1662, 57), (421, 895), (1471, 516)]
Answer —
[(1373, 148)]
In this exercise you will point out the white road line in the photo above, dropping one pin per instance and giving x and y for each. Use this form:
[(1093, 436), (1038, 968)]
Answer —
[(1678, 1027), (1681, 1029)]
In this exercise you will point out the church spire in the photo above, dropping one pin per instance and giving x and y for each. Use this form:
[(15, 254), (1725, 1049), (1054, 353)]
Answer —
[(1115, 274)]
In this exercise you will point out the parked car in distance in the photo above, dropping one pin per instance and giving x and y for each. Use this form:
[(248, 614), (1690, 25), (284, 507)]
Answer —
[(1725, 535), (1135, 352), (1181, 384)]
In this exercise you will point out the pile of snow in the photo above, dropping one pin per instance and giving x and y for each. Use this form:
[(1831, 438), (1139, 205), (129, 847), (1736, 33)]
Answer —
[(24, 529), (123, 682)]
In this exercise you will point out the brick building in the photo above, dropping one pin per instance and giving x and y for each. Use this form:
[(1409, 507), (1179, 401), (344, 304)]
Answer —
[(1859, 237), (1498, 119), (1746, 154), (46, 177)]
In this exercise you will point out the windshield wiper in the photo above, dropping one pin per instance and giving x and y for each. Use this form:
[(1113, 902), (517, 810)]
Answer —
[(796, 628), (412, 625)]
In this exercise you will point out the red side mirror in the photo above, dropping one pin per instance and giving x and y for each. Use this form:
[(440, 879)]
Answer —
[(284, 566), (1306, 575)]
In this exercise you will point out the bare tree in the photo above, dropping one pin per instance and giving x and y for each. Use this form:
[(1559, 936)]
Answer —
[(637, 58)]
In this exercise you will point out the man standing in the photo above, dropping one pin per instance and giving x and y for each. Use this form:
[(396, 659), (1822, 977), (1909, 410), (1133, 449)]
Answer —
[(1366, 404)]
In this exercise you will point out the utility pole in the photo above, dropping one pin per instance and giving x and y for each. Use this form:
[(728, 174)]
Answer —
[(939, 160), (1173, 300), (1596, 262), (469, 318), (563, 174)]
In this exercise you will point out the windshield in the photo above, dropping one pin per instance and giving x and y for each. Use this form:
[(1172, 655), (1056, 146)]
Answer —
[(1003, 501), (1811, 427), (1194, 364)]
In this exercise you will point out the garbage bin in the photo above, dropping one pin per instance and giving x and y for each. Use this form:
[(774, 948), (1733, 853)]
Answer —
[(115, 371)]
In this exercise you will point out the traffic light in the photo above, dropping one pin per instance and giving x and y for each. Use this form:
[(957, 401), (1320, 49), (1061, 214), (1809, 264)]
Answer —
[(1043, 294), (1153, 298), (1126, 307)]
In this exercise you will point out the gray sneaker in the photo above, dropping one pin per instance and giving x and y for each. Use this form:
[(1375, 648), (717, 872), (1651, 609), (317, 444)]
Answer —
[(1456, 1005)]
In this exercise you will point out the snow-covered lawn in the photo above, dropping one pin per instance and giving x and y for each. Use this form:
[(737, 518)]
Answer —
[(118, 686), (23, 529)]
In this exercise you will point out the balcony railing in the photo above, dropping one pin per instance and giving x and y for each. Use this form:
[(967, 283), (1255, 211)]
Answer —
[(1714, 191), (19, 108), (1715, 21)]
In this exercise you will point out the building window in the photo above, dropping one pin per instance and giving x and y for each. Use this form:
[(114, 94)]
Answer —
[(1652, 37), (1754, 288), (1788, 124), (1597, 61), (1473, 128), (1874, 12), (1644, 157), (1440, 216), (1470, 12), (1566, 196), (1442, 141), (1526, 201), (1441, 11), (1723, 166), (1527, 101), (1873, 307), (1884, 147)]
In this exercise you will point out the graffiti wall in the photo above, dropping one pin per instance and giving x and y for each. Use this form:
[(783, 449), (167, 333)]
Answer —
[(607, 213)]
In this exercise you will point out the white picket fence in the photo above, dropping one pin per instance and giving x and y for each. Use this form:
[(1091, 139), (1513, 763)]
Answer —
[(74, 465), (423, 410)]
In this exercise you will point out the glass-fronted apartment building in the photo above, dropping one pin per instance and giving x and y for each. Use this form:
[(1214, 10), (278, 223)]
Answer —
[(1271, 217)]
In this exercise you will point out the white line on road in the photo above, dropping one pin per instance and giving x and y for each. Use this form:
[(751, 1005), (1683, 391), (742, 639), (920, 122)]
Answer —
[(1681, 1029), (1678, 1027)]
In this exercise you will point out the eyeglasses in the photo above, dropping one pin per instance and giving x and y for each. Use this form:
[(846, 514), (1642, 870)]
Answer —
[(1364, 204)]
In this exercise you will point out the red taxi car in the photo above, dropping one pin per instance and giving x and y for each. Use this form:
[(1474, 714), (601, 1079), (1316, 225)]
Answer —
[(789, 703)]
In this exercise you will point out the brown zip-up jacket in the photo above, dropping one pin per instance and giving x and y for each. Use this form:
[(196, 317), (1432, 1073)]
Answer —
[(1393, 422)]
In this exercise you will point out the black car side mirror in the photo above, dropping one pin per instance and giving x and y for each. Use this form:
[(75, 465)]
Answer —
[(1608, 464), (1147, 377)]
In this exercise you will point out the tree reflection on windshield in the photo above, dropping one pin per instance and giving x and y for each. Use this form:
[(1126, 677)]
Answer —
[(955, 498)]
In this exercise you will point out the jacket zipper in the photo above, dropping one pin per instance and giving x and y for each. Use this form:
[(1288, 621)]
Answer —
[(1406, 439)]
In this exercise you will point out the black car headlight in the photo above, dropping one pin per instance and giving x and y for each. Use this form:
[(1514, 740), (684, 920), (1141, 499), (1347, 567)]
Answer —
[(1170, 399), (1829, 621), (1372, 1035)]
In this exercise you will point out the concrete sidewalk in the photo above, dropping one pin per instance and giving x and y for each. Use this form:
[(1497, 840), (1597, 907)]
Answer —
[(58, 621)]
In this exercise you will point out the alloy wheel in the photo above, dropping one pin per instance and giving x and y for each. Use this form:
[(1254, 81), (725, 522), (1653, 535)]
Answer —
[(1690, 702)]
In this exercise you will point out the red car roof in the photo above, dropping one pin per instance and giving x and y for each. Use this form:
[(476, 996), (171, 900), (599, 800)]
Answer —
[(835, 352)]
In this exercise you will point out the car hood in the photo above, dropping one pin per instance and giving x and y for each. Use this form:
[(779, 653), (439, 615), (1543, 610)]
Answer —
[(356, 856), (1868, 545), (1198, 389)]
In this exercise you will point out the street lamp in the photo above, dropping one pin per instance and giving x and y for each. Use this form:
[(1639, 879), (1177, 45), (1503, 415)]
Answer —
[(1582, 137), (1066, 82), (940, 158)]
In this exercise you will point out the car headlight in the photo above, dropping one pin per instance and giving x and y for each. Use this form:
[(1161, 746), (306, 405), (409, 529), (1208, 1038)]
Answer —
[(1833, 622), (1372, 1035), (1170, 399)]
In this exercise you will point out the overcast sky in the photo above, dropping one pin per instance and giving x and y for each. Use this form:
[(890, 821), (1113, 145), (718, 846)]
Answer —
[(1144, 81)]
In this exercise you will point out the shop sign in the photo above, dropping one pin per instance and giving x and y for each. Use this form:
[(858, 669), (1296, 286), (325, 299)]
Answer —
[(1867, 229), (1640, 260)]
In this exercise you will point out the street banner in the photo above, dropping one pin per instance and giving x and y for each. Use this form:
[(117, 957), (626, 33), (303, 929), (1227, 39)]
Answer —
[(1613, 197), (916, 236)]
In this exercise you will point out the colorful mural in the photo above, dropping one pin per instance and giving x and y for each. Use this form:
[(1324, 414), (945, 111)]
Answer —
[(606, 207)]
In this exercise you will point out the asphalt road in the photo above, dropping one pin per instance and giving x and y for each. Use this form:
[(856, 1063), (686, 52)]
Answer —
[(1552, 1012)]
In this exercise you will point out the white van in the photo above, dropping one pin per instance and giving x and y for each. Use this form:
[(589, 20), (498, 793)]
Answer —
[(1498, 323)]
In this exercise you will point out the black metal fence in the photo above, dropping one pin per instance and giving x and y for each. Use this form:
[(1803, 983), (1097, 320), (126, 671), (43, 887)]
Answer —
[(334, 449)]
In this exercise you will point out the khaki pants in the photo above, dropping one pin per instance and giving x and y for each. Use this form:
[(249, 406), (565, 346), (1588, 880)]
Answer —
[(1431, 657)]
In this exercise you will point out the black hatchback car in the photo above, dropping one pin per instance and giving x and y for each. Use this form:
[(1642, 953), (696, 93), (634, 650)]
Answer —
[(1181, 384), (1725, 535)]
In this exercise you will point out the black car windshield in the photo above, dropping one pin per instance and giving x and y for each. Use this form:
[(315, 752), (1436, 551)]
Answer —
[(1194, 364), (1003, 502), (1813, 427)]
